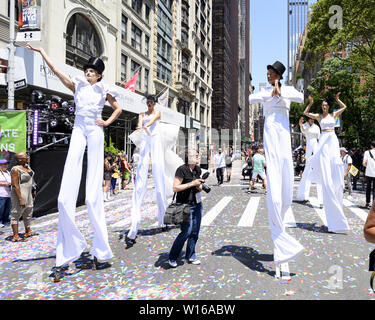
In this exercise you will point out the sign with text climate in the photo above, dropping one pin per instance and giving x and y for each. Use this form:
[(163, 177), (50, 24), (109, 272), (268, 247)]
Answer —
[(13, 131)]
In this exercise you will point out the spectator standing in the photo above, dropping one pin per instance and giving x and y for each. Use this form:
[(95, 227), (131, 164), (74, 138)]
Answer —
[(125, 172), (107, 177), (357, 162), (5, 184), (228, 163), (114, 177), (22, 196), (347, 160), (369, 163)]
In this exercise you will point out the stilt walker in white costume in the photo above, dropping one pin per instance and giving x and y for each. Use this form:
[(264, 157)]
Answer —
[(312, 133), (327, 166), (152, 138), (280, 176), (90, 95)]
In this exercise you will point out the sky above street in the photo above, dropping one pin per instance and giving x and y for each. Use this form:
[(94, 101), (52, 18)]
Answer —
[(268, 20)]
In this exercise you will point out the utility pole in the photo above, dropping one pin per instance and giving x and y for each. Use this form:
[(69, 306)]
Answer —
[(11, 56)]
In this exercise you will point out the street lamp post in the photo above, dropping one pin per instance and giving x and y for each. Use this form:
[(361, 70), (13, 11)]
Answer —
[(11, 56)]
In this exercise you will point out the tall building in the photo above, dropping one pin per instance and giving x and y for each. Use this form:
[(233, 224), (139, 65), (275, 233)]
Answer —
[(231, 76), (244, 76), (297, 21), (183, 61)]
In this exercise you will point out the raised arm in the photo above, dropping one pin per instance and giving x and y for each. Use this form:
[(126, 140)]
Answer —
[(67, 82), (307, 113), (341, 104)]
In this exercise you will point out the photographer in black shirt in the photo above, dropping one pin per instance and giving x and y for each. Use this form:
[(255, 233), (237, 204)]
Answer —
[(188, 185)]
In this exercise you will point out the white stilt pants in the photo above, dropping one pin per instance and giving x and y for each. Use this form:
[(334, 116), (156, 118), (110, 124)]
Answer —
[(70, 242), (280, 177), (150, 144), (303, 192)]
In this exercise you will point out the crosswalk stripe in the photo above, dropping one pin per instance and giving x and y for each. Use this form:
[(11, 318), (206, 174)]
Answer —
[(215, 211), (316, 205), (289, 219), (247, 219), (357, 211)]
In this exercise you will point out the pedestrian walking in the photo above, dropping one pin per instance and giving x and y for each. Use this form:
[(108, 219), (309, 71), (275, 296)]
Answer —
[(219, 165), (259, 165)]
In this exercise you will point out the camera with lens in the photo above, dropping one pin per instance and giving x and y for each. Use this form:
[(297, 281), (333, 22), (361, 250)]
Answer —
[(205, 187)]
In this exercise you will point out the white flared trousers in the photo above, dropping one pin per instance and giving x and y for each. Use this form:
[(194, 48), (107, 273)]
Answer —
[(328, 170), (150, 148), (303, 192), (70, 242), (280, 179)]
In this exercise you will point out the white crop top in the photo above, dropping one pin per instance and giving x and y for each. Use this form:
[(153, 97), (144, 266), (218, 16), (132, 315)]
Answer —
[(327, 123)]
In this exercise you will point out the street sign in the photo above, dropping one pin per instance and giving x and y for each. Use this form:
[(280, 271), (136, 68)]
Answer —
[(28, 36)]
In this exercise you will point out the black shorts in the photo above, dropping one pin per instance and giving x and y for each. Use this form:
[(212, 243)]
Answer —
[(229, 166)]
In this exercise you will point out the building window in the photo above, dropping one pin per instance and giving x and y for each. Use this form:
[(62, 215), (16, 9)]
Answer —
[(136, 38), (202, 74), (135, 67), (137, 6), (124, 28), (167, 3), (147, 46), (165, 23), (124, 62), (147, 12), (164, 74), (82, 41), (202, 115), (146, 80)]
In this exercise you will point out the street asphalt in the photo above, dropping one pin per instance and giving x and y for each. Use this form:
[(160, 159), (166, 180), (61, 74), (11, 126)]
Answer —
[(234, 246)]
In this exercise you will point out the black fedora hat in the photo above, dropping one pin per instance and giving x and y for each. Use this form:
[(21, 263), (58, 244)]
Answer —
[(95, 63), (278, 67)]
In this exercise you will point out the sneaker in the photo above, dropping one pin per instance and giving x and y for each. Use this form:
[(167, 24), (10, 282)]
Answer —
[(350, 198), (173, 264), (2, 225), (195, 262)]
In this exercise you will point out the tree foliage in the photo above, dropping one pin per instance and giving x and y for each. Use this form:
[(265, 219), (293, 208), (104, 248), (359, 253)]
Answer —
[(353, 75)]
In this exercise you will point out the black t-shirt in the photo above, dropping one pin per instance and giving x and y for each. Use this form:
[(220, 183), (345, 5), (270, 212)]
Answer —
[(187, 176)]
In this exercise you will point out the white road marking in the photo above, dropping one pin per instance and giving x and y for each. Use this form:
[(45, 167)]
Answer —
[(316, 205), (247, 219), (357, 211), (215, 211)]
